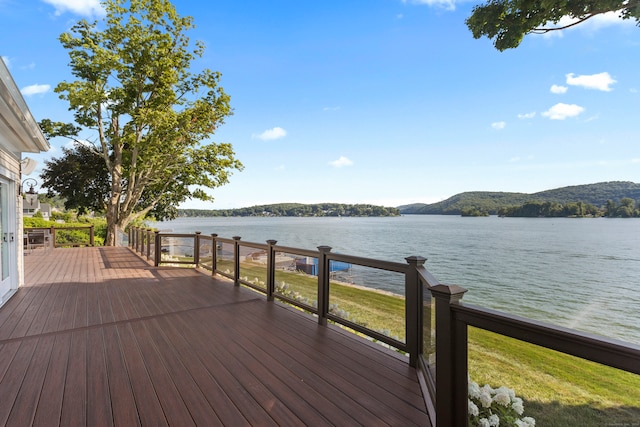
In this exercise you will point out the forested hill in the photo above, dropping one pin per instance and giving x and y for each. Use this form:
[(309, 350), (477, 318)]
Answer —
[(491, 202), (296, 209)]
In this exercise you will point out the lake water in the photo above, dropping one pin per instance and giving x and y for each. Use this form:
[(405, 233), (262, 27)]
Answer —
[(579, 273)]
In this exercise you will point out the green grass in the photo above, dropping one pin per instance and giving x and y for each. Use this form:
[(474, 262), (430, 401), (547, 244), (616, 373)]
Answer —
[(558, 389)]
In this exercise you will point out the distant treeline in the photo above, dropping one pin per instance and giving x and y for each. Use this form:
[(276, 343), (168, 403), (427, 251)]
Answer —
[(579, 200), (296, 209), (628, 208)]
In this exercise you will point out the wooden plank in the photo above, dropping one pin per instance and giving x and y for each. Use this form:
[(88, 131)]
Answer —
[(74, 406), (149, 407), (227, 392), (125, 412), (98, 397), (49, 408), (23, 411), (14, 376)]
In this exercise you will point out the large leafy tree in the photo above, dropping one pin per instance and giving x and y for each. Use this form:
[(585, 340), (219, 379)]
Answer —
[(151, 117), (508, 21)]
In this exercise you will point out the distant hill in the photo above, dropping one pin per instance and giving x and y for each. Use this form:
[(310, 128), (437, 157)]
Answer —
[(595, 194), (296, 209)]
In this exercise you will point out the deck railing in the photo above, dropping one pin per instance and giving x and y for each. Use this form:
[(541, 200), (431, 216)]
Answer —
[(59, 236), (435, 318)]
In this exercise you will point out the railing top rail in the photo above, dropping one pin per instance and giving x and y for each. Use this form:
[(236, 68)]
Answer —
[(297, 251), (369, 262), (162, 234), (253, 245), (607, 351), (427, 277), (225, 240)]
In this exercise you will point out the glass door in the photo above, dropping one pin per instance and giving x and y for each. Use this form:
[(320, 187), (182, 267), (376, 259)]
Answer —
[(7, 239)]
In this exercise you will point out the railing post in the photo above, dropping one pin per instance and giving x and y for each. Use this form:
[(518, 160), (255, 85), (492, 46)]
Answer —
[(214, 254), (53, 237), (413, 309), (158, 251), (138, 236), (196, 249), (451, 358), (236, 260), (323, 284), (91, 236), (271, 269), (149, 243)]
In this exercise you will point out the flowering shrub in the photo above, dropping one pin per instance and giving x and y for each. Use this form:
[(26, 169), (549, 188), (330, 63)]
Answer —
[(492, 407)]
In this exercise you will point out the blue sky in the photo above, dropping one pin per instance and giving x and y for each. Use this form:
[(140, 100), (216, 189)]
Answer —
[(380, 101)]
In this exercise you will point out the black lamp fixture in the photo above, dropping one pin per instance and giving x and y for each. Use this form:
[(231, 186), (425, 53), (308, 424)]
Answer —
[(32, 183)]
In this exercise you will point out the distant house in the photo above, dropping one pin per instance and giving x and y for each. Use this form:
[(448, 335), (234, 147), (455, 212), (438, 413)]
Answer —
[(19, 133)]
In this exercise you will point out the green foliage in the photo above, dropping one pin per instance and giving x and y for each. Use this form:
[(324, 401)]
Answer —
[(69, 237), (85, 168), (506, 22), (579, 200), (297, 209), (152, 117)]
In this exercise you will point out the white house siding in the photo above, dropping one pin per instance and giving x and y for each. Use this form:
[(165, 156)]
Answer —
[(19, 133)]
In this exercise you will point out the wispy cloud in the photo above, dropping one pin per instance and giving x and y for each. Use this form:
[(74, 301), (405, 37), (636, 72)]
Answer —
[(498, 125), (591, 25), (530, 115), (562, 111), (558, 89), (271, 134), (601, 81), (88, 8), (341, 162), (446, 4), (35, 89)]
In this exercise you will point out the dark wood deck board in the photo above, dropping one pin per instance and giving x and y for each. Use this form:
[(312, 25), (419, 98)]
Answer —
[(102, 338)]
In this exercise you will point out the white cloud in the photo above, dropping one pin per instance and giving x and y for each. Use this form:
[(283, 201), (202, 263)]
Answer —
[(562, 111), (514, 159), (600, 81), (498, 125), (35, 89), (271, 134), (530, 115), (558, 89), (88, 8), (342, 161), (446, 4)]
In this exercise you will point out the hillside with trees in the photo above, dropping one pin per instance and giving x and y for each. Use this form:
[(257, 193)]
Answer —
[(578, 200), (296, 209)]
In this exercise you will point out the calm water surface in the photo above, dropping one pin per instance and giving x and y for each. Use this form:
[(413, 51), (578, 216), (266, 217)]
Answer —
[(580, 273)]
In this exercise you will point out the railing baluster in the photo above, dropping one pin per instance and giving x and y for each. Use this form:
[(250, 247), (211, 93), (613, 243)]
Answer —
[(158, 252), (236, 260), (214, 254), (196, 249), (323, 284), (271, 269)]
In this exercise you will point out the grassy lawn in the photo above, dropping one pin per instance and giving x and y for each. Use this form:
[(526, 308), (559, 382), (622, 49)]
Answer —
[(558, 389)]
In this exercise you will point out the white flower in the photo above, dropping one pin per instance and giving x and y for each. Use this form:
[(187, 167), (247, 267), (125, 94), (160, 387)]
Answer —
[(485, 399), (530, 422), (473, 409), (483, 422), (494, 421), (517, 405), (474, 390), (487, 389), (509, 392), (502, 398)]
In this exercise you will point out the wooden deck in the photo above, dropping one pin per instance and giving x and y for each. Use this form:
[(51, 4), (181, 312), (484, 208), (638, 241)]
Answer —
[(99, 337)]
